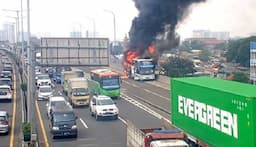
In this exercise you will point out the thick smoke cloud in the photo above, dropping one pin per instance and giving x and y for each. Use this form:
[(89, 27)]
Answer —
[(157, 19)]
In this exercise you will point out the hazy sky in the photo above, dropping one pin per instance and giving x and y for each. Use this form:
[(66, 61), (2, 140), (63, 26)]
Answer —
[(56, 18)]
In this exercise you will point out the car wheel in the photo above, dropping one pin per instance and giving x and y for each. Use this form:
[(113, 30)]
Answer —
[(116, 117), (91, 112), (96, 116), (75, 136)]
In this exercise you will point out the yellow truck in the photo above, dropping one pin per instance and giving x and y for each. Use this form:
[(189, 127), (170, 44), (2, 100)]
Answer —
[(78, 92), (65, 76)]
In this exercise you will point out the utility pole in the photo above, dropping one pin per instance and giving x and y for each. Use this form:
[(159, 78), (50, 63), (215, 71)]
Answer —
[(22, 37)]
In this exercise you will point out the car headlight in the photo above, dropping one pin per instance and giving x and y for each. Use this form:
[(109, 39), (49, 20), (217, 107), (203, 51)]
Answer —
[(74, 127), (55, 128), (116, 110)]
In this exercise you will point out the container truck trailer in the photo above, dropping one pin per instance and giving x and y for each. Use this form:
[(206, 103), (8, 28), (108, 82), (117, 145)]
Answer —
[(218, 112)]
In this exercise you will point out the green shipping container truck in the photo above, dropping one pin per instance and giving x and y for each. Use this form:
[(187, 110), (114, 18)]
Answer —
[(218, 112)]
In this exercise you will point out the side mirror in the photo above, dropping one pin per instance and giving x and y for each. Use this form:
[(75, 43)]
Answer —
[(76, 117), (93, 104)]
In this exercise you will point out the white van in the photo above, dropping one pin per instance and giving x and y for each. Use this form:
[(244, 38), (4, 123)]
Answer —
[(5, 92)]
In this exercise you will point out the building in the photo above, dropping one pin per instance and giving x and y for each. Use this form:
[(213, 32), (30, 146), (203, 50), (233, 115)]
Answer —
[(8, 33), (75, 34), (210, 34), (208, 42), (253, 62)]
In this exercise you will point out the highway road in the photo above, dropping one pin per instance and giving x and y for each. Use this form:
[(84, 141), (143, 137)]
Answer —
[(143, 103), (13, 139), (111, 133)]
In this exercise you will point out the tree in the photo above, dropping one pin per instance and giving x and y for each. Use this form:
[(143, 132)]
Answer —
[(191, 45), (239, 51), (240, 77), (178, 67), (204, 55)]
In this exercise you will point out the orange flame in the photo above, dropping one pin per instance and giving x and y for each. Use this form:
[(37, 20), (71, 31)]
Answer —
[(132, 54), (152, 49), (128, 58)]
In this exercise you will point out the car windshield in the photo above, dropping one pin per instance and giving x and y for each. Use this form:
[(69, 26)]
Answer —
[(4, 91), (3, 81), (2, 118), (45, 89), (104, 102), (43, 77), (55, 103), (80, 91), (59, 117)]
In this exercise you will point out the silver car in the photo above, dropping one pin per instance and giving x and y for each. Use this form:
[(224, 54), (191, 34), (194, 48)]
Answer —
[(4, 122)]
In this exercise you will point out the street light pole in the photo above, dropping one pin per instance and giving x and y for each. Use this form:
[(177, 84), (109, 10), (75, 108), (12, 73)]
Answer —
[(22, 36), (114, 23), (94, 30)]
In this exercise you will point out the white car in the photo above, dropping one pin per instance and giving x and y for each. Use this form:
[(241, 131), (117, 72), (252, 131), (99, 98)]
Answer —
[(44, 92), (103, 106), (54, 101), (4, 122), (43, 79), (5, 92)]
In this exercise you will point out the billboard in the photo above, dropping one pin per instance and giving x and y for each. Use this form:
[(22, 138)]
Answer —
[(74, 51)]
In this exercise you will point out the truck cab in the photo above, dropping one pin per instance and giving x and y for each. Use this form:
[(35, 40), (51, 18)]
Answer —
[(78, 92)]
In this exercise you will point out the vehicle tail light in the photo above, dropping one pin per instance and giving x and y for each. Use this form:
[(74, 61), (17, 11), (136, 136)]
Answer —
[(4, 122)]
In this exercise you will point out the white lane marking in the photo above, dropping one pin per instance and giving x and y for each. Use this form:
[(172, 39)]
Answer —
[(83, 123), (143, 107), (59, 92), (86, 139), (88, 145), (120, 118), (156, 94)]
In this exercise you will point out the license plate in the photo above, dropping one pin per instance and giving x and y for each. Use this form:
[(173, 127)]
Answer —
[(66, 133)]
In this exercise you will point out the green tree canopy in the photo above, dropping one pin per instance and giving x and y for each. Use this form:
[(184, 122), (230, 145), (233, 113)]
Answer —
[(239, 51), (240, 77), (191, 45), (204, 55), (178, 67)]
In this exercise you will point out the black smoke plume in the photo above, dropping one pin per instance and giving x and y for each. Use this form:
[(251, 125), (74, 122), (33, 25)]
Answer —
[(157, 20)]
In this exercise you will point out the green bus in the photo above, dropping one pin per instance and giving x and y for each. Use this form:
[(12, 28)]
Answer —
[(105, 82)]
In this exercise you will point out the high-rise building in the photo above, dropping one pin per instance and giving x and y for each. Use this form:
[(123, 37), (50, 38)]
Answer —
[(210, 34), (253, 62), (75, 34), (9, 32)]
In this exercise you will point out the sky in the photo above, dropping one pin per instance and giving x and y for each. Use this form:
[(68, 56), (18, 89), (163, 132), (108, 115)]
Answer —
[(57, 18)]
